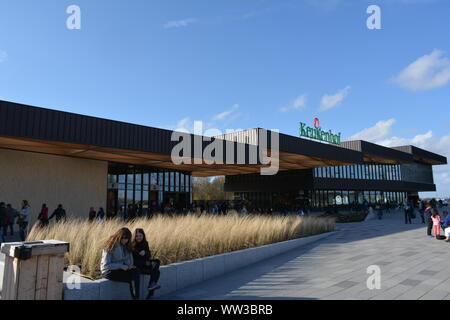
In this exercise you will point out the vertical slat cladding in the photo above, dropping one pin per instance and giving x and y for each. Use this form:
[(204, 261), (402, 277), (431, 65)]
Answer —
[(130, 135), (37, 123), (16, 123), (74, 128), (8, 119), (102, 133), (65, 129), (97, 136), (78, 125)]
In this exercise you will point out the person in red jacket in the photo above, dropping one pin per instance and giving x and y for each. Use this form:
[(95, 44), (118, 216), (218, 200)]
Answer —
[(43, 216)]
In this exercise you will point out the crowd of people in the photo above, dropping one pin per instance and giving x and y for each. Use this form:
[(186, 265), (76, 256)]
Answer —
[(430, 216), (9, 216)]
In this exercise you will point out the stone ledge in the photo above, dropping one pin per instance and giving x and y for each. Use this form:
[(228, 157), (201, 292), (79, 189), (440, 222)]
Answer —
[(181, 275)]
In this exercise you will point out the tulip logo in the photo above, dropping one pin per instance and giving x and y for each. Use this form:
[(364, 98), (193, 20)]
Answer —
[(316, 123)]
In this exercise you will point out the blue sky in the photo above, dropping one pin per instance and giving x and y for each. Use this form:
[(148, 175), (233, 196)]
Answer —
[(239, 64)]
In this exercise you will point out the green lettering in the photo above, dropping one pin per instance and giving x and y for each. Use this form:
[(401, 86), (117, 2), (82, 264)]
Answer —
[(302, 130)]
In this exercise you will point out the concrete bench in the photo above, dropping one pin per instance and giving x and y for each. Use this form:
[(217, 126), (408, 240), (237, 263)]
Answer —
[(177, 276)]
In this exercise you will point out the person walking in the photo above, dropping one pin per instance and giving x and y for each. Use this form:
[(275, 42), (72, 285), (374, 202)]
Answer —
[(59, 214), (11, 215), (428, 213), (117, 261), (142, 258), (422, 211), (22, 219), (2, 222), (43, 216), (379, 210), (407, 210), (100, 215), (436, 223), (92, 214)]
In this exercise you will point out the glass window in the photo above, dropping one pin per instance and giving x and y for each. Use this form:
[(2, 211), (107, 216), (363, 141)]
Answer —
[(177, 182), (145, 178), (122, 178), (138, 177), (171, 181), (181, 182), (154, 178), (351, 197), (378, 196), (345, 198), (121, 198), (338, 199), (130, 195), (130, 178), (166, 181)]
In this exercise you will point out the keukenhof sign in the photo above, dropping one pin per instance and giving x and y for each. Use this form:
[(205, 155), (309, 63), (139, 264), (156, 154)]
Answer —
[(318, 134)]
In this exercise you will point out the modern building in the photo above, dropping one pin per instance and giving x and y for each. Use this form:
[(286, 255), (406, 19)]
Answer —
[(383, 174), (49, 156)]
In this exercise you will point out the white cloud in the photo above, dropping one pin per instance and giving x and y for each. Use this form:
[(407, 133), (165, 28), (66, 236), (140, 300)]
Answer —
[(297, 104), (427, 72), (331, 101), (218, 121), (223, 115), (380, 130), (179, 23), (380, 134), (3, 56)]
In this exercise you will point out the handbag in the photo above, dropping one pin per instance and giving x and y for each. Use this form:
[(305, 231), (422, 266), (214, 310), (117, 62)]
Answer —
[(19, 220)]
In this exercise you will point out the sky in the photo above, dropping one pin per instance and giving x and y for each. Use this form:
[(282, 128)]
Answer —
[(237, 64)]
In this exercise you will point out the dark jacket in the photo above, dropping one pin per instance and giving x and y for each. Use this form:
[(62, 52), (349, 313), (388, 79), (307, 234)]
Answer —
[(140, 261), (3, 216), (428, 213), (59, 214)]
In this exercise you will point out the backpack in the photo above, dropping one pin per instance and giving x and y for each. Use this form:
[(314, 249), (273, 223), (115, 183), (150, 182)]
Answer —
[(440, 237)]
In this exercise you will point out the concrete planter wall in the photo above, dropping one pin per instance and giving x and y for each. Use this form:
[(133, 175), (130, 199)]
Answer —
[(181, 275)]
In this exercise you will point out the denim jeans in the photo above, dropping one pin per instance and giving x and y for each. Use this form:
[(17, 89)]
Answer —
[(23, 230), (3, 233)]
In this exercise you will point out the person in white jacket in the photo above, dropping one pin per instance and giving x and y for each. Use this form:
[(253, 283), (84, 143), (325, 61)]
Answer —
[(22, 219)]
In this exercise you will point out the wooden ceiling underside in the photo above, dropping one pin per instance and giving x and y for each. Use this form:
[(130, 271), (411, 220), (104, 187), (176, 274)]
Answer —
[(288, 161)]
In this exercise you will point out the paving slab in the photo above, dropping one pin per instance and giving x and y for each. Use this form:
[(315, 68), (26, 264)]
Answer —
[(413, 266)]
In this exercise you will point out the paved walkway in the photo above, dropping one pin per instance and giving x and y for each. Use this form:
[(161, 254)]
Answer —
[(413, 266)]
